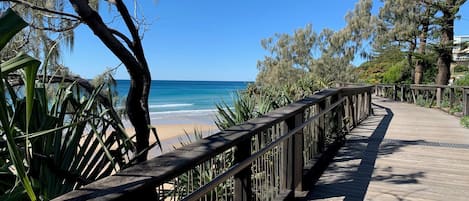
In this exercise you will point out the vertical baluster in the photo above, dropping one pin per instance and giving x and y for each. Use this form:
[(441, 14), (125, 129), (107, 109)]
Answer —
[(340, 115), (355, 110), (320, 126), (363, 105), (370, 110), (466, 101), (452, 97), (413, 95)]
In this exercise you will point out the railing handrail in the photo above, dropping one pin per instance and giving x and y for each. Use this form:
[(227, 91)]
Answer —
[(159, 170), (423, 85), (439, 89), (243, 164)]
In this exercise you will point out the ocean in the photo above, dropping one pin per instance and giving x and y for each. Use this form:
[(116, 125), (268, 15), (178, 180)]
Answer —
[(175, 102)]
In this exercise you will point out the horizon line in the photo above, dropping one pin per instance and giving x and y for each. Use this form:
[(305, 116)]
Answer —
[(193, 80)]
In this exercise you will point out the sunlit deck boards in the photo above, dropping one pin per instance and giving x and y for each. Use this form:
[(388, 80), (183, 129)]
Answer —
[(404, 152)]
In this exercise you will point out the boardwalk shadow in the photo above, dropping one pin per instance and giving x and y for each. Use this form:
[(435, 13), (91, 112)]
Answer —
[(351, 171)]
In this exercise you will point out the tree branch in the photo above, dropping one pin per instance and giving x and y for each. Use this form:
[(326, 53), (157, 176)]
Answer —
[(138, 50), (28, 4), (137, 99), (123, 37), (146, 76), (64, 29)]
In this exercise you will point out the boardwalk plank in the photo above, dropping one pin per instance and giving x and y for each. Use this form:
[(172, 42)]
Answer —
[(404, 152)]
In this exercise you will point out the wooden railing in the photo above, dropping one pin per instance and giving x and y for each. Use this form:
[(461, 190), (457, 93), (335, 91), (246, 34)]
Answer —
[(453, 99), (267, 158)]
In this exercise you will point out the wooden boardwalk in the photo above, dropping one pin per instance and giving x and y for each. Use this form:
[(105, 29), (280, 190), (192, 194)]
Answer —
[(403, 152)]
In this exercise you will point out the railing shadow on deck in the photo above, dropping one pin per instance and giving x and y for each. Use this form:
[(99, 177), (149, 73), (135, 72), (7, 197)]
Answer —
[(263, 159), (353, 182)]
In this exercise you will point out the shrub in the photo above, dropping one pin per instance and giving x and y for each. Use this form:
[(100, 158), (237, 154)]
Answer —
[(463, 81), (456, 109), (51, 144), (465, 121), (460, 68), (396, 73)]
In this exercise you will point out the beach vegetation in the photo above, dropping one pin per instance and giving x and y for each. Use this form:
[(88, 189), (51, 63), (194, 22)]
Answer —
[(406, 24), (465, 121), (460, 68), (50, 145), (53, 17), (202, 174), (299, 64), (423, 31), (398, 73), (462, 81), (292, 58)]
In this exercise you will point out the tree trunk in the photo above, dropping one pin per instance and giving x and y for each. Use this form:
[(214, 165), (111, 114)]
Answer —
[(421, 63), (410, 54), (446, 44), (419, 68), (135, 63)]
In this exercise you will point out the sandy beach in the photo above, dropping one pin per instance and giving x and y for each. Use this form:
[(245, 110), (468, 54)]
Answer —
[(176, 128)]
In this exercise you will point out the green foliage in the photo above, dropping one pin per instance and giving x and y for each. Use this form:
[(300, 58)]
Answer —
[(243, 110), (456, 109), (258, 100), (429, 74), (389, 62), (423, 102), (290, 57), (10, 24), (396, 73), (41, 39), (328, 70), (462, 81), (189, 181), (53, 144), (460, 68), (465, 121)]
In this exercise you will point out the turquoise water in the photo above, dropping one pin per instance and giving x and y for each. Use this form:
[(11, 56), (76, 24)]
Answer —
[(168, 97)]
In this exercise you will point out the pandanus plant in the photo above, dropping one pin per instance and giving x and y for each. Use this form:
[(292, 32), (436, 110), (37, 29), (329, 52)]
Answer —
[(50, 145)]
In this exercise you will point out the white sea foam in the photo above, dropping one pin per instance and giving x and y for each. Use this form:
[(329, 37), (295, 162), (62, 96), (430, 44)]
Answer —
[(185, 112), (170, 105), (203, 116)]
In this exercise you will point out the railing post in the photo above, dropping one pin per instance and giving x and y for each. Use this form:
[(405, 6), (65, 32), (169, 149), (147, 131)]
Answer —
[(242, 180), (402, 93), (293, 158), (394, 92), (340, 113), (380, 91), (452, 97), (414, 94), (370, 110), (296, 163), (352, 111), (321, 127), (439, 95), (466, 101), (361, 110)]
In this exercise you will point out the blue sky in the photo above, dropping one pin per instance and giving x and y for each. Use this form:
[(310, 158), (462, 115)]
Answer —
[(212, 40)]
